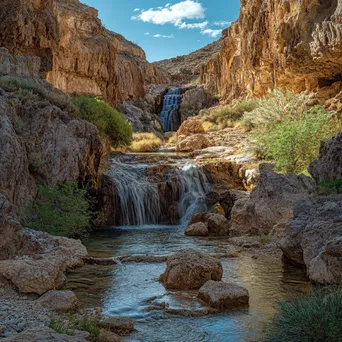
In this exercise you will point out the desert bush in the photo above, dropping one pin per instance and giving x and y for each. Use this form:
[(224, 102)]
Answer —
[(108, 120), (275, 108), (62, 210), (227, 116), (294, 143), (315, 318), (145, 142)]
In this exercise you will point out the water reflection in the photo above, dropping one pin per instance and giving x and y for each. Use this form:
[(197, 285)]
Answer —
[(132, 289)]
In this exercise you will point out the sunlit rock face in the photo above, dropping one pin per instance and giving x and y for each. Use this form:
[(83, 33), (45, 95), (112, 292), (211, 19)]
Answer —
[(78, 54), (279, 43)]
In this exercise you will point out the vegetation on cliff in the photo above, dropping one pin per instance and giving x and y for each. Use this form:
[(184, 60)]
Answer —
[(315, 318), (62, 210), (145, 142), (110, 122)]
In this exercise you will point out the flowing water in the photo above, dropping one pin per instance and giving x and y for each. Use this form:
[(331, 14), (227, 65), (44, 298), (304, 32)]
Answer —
[(132, 289), (170, 116)]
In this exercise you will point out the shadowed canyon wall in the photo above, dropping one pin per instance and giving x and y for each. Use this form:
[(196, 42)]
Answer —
[(294, 44), (78, 54)]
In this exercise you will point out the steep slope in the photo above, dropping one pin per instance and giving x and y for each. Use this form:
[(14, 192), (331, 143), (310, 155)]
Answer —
[(184, 69), (78, 54), (279, 43)]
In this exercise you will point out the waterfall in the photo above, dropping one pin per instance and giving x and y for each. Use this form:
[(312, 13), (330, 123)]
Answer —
[(170, 116), (138, 197), (194, 186)]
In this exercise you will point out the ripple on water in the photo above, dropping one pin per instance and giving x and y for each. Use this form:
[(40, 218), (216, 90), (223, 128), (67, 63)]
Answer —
[(133, 290)]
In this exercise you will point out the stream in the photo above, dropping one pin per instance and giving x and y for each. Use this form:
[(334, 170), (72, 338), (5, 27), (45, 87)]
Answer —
[(133, 290)]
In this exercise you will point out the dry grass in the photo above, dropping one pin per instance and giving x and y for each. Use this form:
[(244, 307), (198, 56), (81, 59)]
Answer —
[(145, 142)]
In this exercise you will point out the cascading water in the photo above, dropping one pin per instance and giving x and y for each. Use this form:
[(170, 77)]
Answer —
[(138, 197), (170, 116), (194, 186)]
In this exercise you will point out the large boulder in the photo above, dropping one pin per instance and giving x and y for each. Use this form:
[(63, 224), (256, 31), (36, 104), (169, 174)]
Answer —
[(190, 126), (203, 224), (42, 261), (59, 301), (192, 143), (197, 229), (270, 205), (314, 239), (218, 225), (329, 163), (189, 269), (222, 296)]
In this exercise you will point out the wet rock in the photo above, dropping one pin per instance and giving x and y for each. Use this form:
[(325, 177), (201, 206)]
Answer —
[(222, 296), (43, 335), (190, 313), (118, 325), (314, 239), (190, 269), (192, 143), (218, 225), (60, 301), (197, 229), (271, 203), (329, 163)]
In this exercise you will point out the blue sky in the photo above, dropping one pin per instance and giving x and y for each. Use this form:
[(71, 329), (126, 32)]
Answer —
[(167, 28)]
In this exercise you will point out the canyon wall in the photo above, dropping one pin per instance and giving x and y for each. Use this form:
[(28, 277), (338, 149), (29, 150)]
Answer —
[(78, 54), (294, 44)]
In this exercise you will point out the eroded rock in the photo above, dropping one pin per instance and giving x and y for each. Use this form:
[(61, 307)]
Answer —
[(189, 269), (192, 143), (197, 229), (314, 239), (59, 301)]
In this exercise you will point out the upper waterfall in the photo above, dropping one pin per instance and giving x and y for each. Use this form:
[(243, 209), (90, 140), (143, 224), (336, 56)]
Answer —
[(170, 115)]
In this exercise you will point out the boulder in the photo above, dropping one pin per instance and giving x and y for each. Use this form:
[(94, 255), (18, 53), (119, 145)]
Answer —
[(270, 205), (197, 229), (329, 163), (192, 143), (59, 301), (218, 225), (118, 325), (217, 209), (222, 296), (189, 269), (42, 261), (190, 126), (108, 336), (314, 239)]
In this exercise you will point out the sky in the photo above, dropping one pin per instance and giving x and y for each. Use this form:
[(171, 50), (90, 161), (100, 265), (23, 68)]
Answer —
[(167, 28)]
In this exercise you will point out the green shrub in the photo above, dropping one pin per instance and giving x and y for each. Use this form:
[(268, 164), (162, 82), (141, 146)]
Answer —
[(66, 324), (294, 143), (13, 83), (331, 186), (275, 108), (62, 210), (315, 318), (226, 116), (108, 120)]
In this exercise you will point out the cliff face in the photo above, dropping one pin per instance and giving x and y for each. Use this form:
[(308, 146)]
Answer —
[(78, 54), (39, 142), (279, 43)]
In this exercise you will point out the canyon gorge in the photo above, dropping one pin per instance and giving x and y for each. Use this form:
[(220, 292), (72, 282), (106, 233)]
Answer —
[(197, 237)]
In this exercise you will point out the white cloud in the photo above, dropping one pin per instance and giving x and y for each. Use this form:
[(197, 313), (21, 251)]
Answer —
[(172, 14), (222, 23), (201, 26), (163, 36), (212, 33), (147, 33), (136, 10)]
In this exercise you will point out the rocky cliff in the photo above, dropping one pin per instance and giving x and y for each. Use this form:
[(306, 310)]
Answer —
[(279, 43), (39, 141), (78, 54)]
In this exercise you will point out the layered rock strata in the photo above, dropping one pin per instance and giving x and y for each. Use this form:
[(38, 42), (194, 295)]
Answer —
[(279, 44)]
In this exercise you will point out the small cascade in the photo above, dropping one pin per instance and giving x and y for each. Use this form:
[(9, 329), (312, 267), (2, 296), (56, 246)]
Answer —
[(194, 186), (138, 197), (170, 116)]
